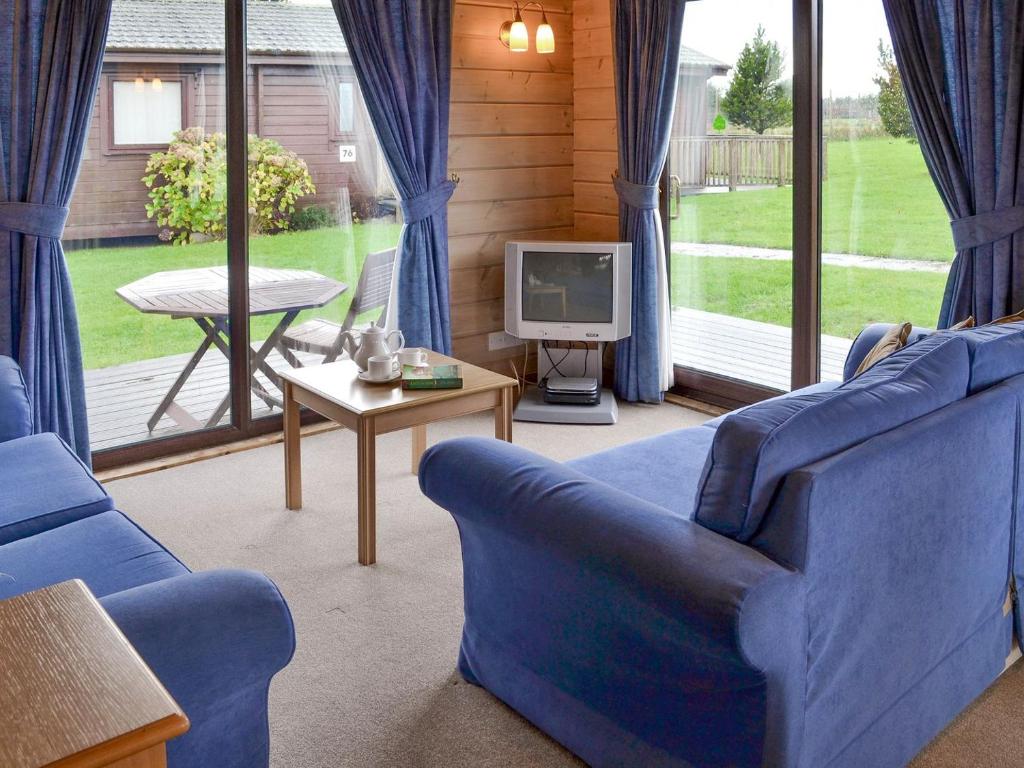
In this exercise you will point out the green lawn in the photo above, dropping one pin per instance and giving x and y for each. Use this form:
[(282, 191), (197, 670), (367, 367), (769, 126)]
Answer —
[(113, 332), (761, 290), (878, 200)]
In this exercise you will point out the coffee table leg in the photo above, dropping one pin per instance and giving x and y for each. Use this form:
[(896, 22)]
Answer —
[(503, 416), (292, 450), (419, 445), (367, 481)]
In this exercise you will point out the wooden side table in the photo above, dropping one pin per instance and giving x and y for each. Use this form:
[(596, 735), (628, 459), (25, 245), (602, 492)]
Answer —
[(369, 410), (73, 691)]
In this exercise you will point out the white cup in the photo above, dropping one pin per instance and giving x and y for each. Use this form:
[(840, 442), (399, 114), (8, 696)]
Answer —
[(413, 356), (381, 367)]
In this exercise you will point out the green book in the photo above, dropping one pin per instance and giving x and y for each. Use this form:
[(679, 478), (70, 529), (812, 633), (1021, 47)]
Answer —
[(431, 377)]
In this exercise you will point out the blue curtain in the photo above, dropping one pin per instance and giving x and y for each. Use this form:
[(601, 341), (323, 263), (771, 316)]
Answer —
[(401, 52), (48, 79), (962, 64), (645, 43)]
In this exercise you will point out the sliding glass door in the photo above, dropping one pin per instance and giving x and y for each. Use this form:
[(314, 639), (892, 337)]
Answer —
[(730, 186), (145, 236), (799, 204), (323, 218), (886, 240), (233, 216)]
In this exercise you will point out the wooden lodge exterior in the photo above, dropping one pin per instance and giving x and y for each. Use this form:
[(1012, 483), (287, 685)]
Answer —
[(297, 67)]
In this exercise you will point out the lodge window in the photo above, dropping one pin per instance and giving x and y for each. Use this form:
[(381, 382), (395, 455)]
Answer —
[(144, 111), (343, 117)]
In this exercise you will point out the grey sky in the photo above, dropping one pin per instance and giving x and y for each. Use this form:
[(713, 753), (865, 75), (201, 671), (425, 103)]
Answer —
[(852, 28)]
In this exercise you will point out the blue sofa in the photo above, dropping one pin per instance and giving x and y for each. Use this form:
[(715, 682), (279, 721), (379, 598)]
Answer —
[(821, 579), (215, 639)]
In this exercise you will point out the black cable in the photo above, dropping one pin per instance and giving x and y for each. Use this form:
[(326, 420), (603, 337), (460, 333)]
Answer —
[(554, 365)]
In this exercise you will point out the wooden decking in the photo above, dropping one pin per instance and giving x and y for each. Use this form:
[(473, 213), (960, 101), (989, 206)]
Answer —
[(121, 398), (745, 349)]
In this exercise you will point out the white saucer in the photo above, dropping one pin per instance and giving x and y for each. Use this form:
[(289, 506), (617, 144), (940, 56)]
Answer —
[(365, 376)]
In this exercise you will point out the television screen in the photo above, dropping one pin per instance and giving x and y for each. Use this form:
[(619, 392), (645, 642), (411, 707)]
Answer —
[(567, 287)]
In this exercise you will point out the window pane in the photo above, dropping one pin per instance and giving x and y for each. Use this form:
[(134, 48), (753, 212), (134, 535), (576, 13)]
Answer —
[(346, 107), (144, 237), (731, 166), (886, 240), (146, 111), (322, 206)]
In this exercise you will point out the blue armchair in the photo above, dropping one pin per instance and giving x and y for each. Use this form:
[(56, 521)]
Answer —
[(817, 580), (215, 639)]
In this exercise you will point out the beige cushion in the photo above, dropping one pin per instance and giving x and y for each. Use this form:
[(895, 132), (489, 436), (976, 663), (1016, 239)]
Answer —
[(963, 325), (894, 340), (1015, 318)]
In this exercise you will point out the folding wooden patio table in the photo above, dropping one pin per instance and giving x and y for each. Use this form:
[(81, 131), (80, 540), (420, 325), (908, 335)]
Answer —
[(202, 295)]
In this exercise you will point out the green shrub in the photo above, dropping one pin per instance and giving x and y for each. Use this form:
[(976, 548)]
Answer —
[(188, 186), (313, 217)]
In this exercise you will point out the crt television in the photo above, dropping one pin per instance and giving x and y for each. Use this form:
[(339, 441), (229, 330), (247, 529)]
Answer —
[(568, 291)]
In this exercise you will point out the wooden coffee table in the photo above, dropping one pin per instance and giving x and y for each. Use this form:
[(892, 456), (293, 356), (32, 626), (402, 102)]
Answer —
[(369, 410)]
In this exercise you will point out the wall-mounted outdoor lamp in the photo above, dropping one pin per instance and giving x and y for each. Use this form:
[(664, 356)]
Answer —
[(514, 35), (156, 84)]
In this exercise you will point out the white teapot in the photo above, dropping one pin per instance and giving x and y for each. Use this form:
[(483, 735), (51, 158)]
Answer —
[(373, 341)]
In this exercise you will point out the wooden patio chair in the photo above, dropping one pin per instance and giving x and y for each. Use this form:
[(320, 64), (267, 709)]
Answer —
[(323, 337)]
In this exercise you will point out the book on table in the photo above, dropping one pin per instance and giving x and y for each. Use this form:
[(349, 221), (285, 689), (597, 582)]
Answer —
[(431, 377)]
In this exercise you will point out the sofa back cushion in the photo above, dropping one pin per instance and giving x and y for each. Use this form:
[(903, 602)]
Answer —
[(15, 410), (997, 353), (756, 448)]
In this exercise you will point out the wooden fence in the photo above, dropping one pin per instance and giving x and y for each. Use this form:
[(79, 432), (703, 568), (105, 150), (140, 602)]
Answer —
[(731, 161)]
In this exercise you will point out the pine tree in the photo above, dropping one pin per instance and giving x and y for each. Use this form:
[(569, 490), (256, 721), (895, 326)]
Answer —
[(757, 98), (892, 101)]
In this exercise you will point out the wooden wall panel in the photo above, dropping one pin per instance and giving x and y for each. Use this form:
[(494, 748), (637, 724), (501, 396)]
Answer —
[(493, 86), (488, 249), (595, 157), (511, 142), (595, 131), (599, 197), (498, 152)]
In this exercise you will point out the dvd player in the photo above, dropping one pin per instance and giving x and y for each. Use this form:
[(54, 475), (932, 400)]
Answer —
[(572, 390)]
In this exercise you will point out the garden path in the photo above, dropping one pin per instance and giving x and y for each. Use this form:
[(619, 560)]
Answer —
[(721, 250)]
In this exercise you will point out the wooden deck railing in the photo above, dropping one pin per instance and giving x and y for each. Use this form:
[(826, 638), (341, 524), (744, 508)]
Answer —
[(731, 161)]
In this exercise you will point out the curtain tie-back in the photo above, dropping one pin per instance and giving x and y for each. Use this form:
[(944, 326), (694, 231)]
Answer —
[(988, 227), (34, 219), (430, 202), (639, 196)]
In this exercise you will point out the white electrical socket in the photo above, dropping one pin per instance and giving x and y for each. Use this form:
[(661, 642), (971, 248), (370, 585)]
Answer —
[(501, 340)]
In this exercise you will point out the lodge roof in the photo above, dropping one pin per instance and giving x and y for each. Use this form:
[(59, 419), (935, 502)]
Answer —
[(275, 27), (197, 26), (692, 58)]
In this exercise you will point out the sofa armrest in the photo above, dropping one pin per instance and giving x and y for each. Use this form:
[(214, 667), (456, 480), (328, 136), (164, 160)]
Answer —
[(866, 340), (904, 542), (15, 410), (207, 636), (573, 573), (674, 562)]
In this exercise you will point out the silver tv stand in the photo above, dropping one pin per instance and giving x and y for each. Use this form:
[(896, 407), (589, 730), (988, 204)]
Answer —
[(576, 362)]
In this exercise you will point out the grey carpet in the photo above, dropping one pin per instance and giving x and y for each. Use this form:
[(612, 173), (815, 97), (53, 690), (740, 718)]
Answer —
[(373, 682)]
